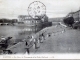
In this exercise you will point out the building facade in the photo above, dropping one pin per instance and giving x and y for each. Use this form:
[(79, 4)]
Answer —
[(75, 15), (30, 23)]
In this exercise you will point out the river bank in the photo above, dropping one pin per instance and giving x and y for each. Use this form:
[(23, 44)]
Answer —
[(20, 47)]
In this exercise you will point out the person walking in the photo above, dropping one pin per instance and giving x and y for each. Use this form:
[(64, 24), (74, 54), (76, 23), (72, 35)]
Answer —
[(35, 43), (27, 47), (43, 36)]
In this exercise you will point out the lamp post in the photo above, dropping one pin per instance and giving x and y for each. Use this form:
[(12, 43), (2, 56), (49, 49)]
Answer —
[(78, 13), (35, 25)]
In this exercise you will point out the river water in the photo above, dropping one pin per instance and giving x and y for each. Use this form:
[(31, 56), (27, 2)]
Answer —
[(14, 31)]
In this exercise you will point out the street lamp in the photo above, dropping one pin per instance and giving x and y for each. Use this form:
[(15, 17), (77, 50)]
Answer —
[(35, 25)]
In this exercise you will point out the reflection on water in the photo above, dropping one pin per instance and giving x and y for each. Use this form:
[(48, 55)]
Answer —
[(13, 31)]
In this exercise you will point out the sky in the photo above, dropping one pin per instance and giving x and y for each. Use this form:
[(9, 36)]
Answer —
[(54, 8)]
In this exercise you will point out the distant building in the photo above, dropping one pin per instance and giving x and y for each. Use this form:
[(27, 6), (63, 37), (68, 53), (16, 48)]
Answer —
[(70, 14), (31, 24), (75, 15)]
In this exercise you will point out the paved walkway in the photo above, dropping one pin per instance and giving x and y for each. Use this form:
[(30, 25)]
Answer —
[(63, 41), (49, 45)]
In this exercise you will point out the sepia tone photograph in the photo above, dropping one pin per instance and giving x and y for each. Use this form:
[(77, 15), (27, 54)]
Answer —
[(39, 27)]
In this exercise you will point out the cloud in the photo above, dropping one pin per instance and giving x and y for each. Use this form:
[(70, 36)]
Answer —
[(13, 8)]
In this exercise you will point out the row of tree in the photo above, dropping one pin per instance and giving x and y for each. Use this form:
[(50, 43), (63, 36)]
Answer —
[(8, 20), (69, 21)]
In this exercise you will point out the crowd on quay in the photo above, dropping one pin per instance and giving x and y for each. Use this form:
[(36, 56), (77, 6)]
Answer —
[(42, 36), (37, 40), (34, 41)]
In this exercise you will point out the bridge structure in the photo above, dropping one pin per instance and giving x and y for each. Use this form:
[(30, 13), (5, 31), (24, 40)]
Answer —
[(4, 23)]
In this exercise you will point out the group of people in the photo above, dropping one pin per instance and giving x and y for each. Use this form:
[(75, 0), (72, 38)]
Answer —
[(36, 41), (4, 44)]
